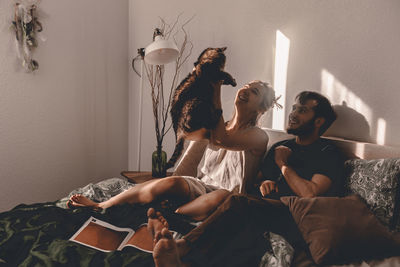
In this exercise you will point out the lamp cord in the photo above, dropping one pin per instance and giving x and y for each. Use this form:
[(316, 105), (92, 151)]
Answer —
[(133, 65), (139, 56)]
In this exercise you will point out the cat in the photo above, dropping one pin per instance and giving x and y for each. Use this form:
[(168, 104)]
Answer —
[(192, 105)]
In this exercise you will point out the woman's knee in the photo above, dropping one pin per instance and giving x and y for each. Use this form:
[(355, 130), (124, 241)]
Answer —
[(172, 184), (214, 198), (176, 183), (220, 195), (223, 192), (236, 201)]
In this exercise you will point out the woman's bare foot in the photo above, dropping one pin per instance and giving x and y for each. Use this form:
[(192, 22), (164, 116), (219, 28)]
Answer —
[(165, 252), (82, 201)]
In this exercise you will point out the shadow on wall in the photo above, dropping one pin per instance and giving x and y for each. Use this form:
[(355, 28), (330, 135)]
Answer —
[(349, 124)]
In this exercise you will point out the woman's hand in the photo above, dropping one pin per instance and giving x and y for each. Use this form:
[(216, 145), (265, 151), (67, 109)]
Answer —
[(267, 187)]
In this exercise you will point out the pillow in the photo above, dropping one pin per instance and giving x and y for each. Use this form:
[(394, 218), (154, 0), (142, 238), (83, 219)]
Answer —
[(339, 230), (377, 182)]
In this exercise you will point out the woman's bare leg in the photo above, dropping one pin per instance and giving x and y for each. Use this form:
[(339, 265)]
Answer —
[(201, 207), (145, 192)]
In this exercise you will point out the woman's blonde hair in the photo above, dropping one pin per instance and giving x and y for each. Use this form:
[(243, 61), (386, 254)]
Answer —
[(269, 100)]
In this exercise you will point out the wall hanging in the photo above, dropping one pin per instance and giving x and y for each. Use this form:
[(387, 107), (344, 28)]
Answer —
[(26, 26)]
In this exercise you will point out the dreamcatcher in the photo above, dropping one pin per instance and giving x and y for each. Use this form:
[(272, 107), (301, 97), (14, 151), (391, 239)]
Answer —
[(26, 25)]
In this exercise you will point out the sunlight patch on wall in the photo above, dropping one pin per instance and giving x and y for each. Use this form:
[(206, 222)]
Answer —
[(381, 132), (337, 93), (280, 78), (360, 149)]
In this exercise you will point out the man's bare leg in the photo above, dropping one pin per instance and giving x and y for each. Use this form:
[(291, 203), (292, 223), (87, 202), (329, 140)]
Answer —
[(141, 193)]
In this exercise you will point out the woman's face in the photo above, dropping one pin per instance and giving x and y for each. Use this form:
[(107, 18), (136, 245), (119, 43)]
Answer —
[(250, 96)]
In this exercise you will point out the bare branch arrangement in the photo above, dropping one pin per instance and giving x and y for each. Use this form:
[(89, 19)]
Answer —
[(155, 75)]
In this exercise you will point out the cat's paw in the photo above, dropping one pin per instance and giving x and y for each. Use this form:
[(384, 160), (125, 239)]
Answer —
[(228, 79), (230, 82)]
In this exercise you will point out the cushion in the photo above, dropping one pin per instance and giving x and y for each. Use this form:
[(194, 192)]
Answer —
[(377, 182), (340, 230)]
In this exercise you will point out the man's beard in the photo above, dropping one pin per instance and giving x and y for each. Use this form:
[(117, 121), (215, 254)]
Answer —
[(304, 130)]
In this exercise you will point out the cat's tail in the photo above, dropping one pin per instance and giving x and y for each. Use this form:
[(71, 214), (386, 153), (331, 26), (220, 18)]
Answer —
[(177, 153)]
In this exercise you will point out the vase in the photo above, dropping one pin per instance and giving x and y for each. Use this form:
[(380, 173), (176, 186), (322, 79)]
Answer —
[(158, 163)]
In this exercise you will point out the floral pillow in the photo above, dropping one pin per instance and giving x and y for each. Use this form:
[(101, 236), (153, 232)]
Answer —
[(378, 183)]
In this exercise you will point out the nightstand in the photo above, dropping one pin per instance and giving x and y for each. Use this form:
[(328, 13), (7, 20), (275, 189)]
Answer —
[(139, 177)]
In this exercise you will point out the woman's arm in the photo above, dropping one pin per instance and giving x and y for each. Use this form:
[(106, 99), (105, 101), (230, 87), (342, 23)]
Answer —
[(252, 138)]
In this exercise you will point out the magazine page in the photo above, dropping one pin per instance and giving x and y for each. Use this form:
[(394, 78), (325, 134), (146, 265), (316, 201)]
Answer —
[(101, 235), (142, 240)]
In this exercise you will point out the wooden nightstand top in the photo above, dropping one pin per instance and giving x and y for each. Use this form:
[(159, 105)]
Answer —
[(139, 177)]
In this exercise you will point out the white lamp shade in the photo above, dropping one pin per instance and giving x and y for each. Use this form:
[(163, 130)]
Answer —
[(160, 52)]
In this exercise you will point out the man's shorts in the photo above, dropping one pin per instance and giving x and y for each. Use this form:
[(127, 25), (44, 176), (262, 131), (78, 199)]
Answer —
[(198, 187)]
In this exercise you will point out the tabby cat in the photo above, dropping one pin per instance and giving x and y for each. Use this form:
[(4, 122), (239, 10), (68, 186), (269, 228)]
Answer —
[(192, 105)]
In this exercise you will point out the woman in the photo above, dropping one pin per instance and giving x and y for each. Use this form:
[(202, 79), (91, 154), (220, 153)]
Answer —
[(223, 167)]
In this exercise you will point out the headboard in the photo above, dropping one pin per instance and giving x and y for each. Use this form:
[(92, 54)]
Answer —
[(187, 164), (351, 149)]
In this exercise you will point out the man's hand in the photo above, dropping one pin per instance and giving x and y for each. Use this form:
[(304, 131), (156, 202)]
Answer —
[(282, 154), (267, 187)]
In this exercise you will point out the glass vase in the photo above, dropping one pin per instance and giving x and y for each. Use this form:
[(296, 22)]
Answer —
[(158, 163)]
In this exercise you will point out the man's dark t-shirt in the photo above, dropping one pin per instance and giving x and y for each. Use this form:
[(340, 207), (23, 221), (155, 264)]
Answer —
[(320, 157)]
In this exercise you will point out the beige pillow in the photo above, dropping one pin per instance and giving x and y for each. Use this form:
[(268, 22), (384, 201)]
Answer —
[(339, 230)]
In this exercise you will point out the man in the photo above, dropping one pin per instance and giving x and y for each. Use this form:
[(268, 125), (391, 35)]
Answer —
[(306, 166)]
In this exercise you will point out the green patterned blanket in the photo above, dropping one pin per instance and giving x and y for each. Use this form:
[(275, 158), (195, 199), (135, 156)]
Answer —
[(38, 234)]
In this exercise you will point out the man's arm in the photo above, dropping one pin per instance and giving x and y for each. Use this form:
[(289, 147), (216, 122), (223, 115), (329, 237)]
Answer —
[(318, 185)]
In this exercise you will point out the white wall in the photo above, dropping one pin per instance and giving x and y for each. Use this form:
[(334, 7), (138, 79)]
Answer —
[(65, 125), (346, 49)]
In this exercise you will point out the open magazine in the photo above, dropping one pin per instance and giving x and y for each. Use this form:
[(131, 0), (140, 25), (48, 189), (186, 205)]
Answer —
[(106, 237)]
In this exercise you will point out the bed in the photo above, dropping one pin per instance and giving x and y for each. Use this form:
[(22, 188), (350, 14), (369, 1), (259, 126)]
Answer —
[(38, 234)]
